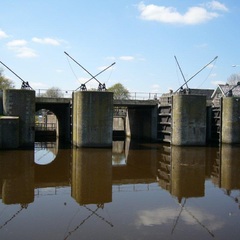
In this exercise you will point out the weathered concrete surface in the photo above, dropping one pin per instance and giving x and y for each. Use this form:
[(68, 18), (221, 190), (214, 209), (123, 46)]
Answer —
[(92, 119), (187, 171), (230, 167), (119, 124), (21, 103), (9, 132), (189, 120), (17, 176), (230, 120), (141, 123), (96, 187), (1, 102)]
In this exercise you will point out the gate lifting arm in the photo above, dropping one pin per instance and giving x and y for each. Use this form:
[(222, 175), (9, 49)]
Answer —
[(185, 83), (25, 85), (101, 87)]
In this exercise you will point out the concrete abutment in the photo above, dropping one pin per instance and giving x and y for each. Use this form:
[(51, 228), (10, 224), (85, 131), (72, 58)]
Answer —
[(18, 104), (188, 120), (92, 119)]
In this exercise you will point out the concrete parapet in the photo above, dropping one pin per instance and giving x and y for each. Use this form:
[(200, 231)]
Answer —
[(92, 119), (189, 120), (230, 120), (21, 103), (9, 132)]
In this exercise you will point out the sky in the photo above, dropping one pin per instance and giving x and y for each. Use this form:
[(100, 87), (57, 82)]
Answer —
[(149, 41)]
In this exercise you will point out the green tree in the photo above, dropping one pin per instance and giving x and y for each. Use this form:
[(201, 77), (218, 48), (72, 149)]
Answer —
[(53, 92), (119, 91), (5, 83)]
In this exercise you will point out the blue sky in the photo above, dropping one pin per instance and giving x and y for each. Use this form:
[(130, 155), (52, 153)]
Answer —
[(142, 37)]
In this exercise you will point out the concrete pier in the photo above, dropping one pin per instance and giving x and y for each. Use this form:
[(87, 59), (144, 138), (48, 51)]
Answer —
[(1, 102), (21, 103), (92, 119), (9, 132), (230, 120), (189, 120)]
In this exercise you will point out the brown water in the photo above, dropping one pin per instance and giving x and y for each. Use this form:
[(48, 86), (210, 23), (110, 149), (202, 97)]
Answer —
[(133, 191)]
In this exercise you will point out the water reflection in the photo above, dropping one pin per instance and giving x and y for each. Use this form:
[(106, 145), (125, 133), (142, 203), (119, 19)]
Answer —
[(45, 152), (92, 176), (138, 189), (17, 177), (182, 171)]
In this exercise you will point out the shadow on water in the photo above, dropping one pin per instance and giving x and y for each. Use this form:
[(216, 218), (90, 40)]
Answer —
[(146, 188)]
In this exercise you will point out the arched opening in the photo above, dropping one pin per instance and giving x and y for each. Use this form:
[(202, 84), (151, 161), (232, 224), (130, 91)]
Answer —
[(46, 137), (46, 125)]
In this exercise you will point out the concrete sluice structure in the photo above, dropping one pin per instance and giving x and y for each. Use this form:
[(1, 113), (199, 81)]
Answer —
[(185, 120), (182, 119), (92, 119), (18, 120), (230, 131), (189, 120)]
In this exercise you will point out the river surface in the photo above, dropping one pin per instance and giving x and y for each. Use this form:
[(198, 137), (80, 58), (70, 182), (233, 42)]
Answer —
[(132, 191)]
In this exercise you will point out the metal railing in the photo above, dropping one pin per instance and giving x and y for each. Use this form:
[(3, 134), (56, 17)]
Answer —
[(68, 94), (45, 127)]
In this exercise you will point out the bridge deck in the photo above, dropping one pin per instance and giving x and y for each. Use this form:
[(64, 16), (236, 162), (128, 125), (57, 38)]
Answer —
[(115, 101)]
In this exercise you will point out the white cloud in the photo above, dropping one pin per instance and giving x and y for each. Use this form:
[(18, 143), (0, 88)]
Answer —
[(162, 216), (21, 49), (106, 68), (17, 43), (3, 34), (194, 15), (126, 58), (215, 5), (25, 52), (111, 58), (48, 41)]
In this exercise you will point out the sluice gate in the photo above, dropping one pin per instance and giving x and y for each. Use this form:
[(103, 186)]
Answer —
[(185, 119)]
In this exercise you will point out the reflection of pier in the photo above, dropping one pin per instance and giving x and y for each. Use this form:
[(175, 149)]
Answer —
[(181, 171), (90, 175)]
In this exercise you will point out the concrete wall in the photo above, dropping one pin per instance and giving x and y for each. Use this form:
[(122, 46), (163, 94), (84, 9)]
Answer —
[(9, 132), (141, 123), (21, 103), (92, 119), (189, 120), (230, 120), (119, 124)]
